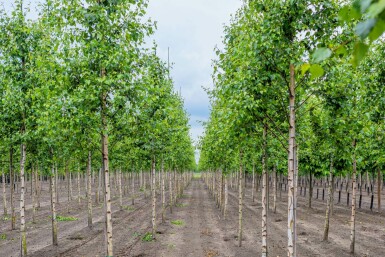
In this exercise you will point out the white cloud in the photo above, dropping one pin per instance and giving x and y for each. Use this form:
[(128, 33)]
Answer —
[(192, 29)]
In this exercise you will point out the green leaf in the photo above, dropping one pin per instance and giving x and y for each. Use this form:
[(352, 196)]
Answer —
[(363, 28), (304, 68), (321, 54), (341, 51), (377, 31), (344, 13), (376, 8), (360, 50), (316, 71)]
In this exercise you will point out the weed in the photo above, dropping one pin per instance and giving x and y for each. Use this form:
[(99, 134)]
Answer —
[(142, 189), (171, 246), (128, 208), (147, 237), (5, 218), (136, 234), (181, 205), (63, 218), (3, 237), (177, 222)]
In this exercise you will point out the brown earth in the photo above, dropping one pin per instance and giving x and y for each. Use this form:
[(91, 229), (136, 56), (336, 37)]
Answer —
[(198, 229)]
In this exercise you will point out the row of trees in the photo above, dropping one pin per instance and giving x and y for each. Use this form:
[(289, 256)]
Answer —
[(78, 84), (274, 81)]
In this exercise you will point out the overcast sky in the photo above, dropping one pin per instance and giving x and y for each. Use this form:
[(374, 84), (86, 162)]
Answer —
[(192, 29)]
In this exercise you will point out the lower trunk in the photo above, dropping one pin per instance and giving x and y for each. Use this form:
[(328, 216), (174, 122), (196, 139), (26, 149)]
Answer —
[(34, 191), (353, 217), (379, 189), (78, 181), (328, 204), (310, 188), (170, 190), (23, 235), (120, 189), (163, 194), (240, 200), (4, 194), (56, 184), (68, 189), (89, 191), (265, 182), (253, 184), (133, 186), (275, 190), (53, 206), (226, 199), (12, 185), (153, 198)]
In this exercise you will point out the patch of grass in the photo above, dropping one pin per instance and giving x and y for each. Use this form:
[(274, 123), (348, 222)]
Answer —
[(142, 189), (128, 208), (177, 222), (5, 218), (3, 237), (197, 175), (147, 237), (136, 234), (171, 246), (63, 218)]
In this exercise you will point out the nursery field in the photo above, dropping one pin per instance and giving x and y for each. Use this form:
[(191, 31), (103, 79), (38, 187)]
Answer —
[(196, 228)]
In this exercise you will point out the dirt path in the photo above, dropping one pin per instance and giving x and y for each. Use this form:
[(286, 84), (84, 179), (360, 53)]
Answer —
[(202, 232), (196, 228)]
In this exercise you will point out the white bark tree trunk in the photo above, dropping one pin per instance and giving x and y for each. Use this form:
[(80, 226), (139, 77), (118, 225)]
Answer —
[(292, 198), (23, 235)]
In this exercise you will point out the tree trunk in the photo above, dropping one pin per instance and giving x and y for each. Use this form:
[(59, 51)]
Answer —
[(253, 183), (163, 193), (70, 185), (275, 189), (100, 178), (68, 188), (56, 184), (12, 185), (292, 198), (39, 184), (33, 190), (379, 189), (153, 198), (23, 235), (107, 193), (170, 190), (226, 199), (4, 194), (133, 187), (120, 189), (310, 188), (328, 204), (89, 191), (240, 200), (353, 217), (265, 181), (78, 181), (53, 205)]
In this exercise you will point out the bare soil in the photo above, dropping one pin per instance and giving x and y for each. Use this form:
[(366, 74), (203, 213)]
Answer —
[(196, 228)]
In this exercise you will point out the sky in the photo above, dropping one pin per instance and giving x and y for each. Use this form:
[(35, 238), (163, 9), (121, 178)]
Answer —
[(191, 29)]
